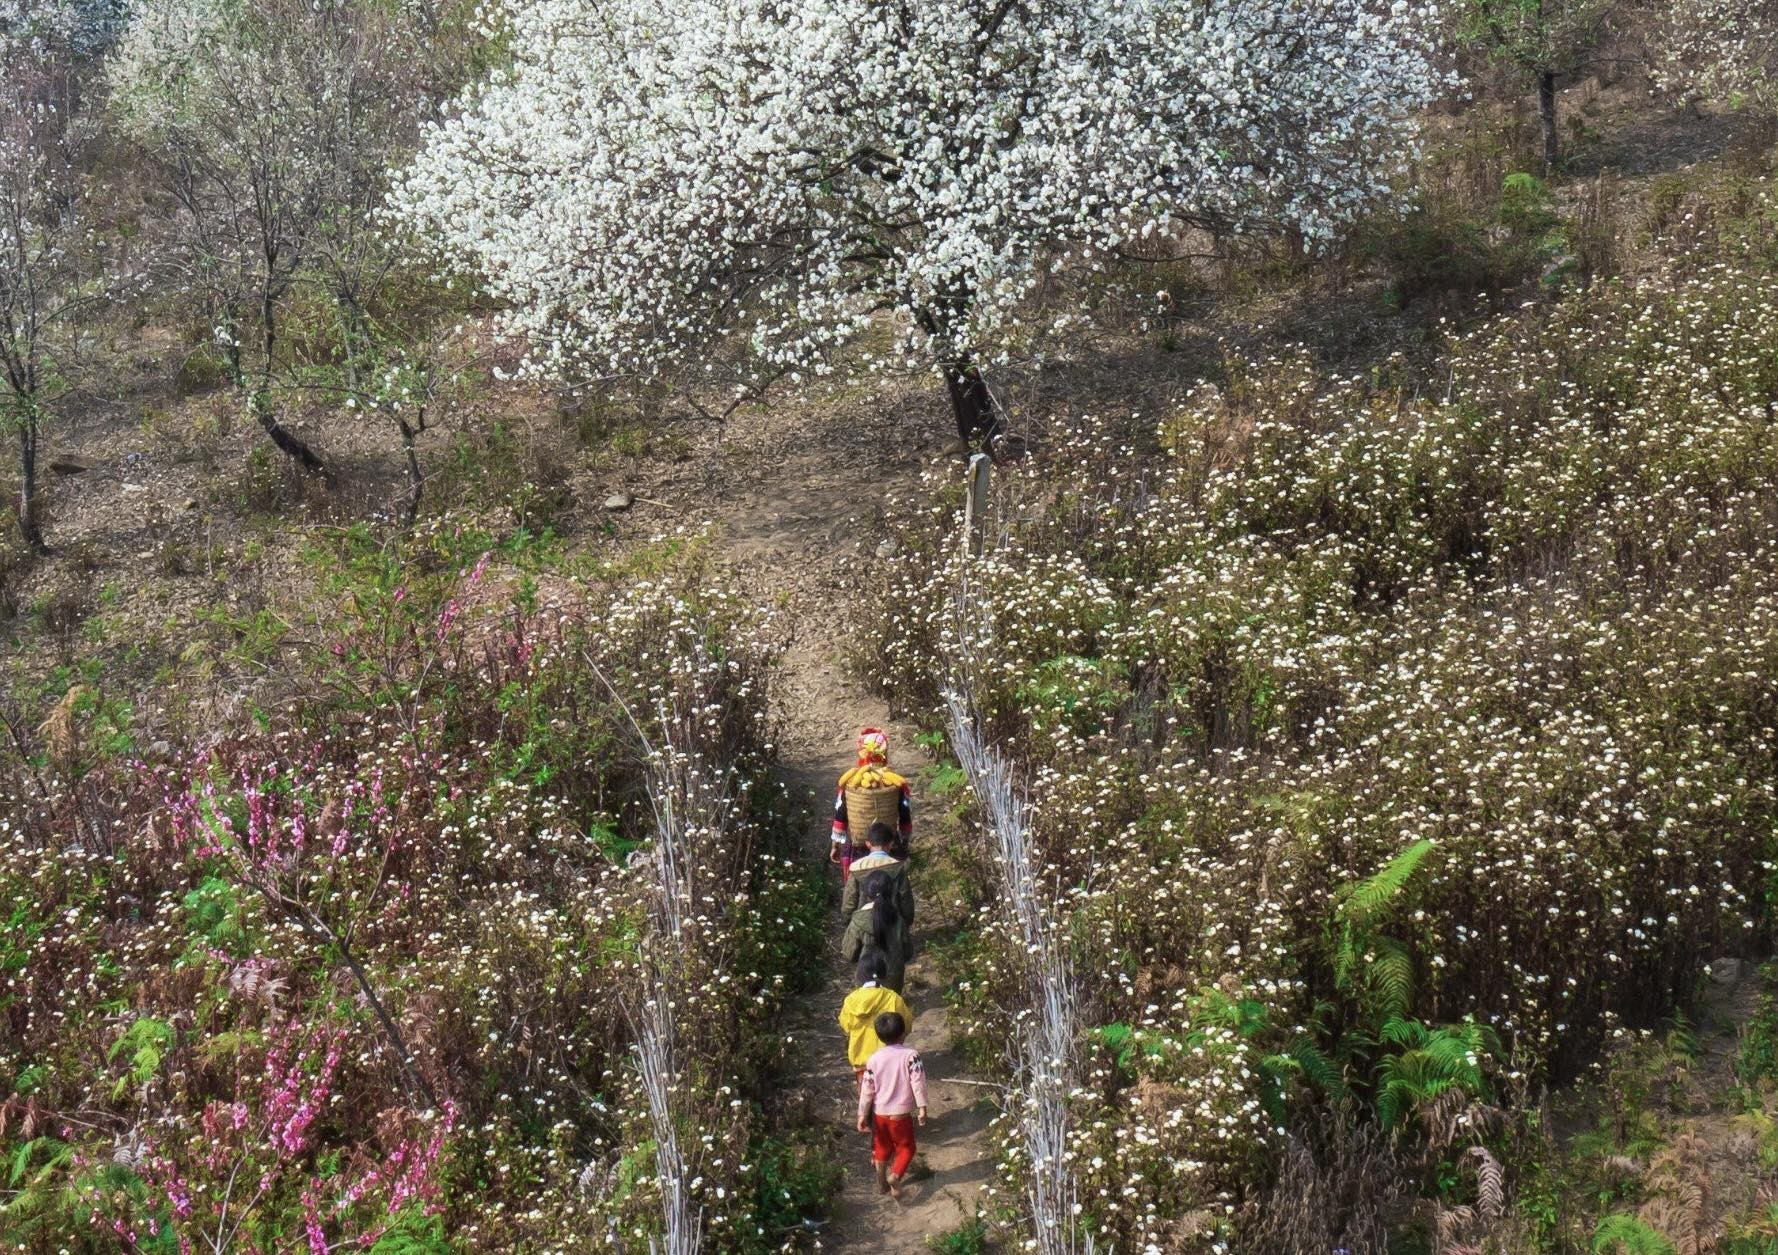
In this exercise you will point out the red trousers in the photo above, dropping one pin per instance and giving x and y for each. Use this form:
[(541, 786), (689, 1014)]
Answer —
[(892, 1139)]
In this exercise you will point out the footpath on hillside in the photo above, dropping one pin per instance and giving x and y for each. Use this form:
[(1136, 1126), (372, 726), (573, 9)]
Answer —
[(953, 1143), (791, 496)]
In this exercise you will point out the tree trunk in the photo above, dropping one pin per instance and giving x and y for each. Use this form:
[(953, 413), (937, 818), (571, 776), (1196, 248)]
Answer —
[(262, 399), (281, 435), (30, 507), (971, 404), (416, 483), (1546, 110)]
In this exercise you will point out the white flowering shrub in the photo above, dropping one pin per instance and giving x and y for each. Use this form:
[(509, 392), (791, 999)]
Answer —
[(1376, 734), (652, 179), (1724, 51), (375, 971), (60, 29)]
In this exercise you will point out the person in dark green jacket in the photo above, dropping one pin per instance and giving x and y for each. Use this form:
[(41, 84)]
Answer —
[(878, 904)]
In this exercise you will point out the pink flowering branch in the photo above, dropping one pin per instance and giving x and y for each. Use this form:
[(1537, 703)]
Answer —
[(267, 856)]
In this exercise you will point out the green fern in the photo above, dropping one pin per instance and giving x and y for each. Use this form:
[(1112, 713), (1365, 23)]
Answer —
[(1682, 1038), (1431, 1061), (1120, 1040), (56, 1153), (1376, 971), (1247, 1017), (1250, 1020), (40, 1199), (413, 1233), (1316, 1068), (1301, 1061), (1362, 902), (1627, 1234), (1390, 977), (147, 1040)]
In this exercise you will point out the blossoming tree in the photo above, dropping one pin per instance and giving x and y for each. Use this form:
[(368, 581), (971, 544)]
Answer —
[(271, 128), (655, 177), (68, 30)]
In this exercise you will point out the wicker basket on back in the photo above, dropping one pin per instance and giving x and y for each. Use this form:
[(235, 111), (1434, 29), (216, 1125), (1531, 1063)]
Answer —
[(865, 807)]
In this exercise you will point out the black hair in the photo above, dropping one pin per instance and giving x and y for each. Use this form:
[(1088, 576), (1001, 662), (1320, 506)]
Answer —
[(891, 1028), (871, 966), (878, 892), (881, 836)]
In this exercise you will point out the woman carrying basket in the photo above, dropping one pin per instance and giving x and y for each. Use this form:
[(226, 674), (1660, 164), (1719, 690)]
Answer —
[(870, 793)]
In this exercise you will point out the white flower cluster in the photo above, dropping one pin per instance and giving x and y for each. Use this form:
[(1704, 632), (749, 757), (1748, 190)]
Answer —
[(652, 177)]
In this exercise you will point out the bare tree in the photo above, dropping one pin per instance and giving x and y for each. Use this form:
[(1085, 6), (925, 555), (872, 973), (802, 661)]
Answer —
[(45, 282)]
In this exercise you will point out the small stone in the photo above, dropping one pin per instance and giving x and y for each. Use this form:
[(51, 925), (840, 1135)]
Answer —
[(619, 501), (1725, 971), (190, 503), (135, 488), (889, 548)]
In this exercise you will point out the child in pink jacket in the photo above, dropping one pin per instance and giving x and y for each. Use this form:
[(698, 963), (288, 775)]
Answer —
[(890, 1095)]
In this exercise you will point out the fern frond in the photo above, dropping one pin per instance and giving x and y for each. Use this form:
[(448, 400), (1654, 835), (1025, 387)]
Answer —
[(1409, 1034), (1455, 1057), (1280, 1067), (1490, 1183), (1274, 1078), (1316, 1068), (1482, 1039), (1252, 1017), (1391, 1104), (1346, 959), (1391, 978), (1217, 1008), (1362, 901), (1630, 1236), (56, 1153)]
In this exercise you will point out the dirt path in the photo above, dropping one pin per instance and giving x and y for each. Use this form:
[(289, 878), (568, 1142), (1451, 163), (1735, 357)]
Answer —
[(791, 496), (953, 1143)]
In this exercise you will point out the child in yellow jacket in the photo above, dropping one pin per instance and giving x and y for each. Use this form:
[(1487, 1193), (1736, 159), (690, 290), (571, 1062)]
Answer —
[(858, 1015)]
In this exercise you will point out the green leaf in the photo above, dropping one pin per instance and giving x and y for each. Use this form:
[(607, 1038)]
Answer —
[(1319, 1070), (1391, 977), (147, 1042)]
